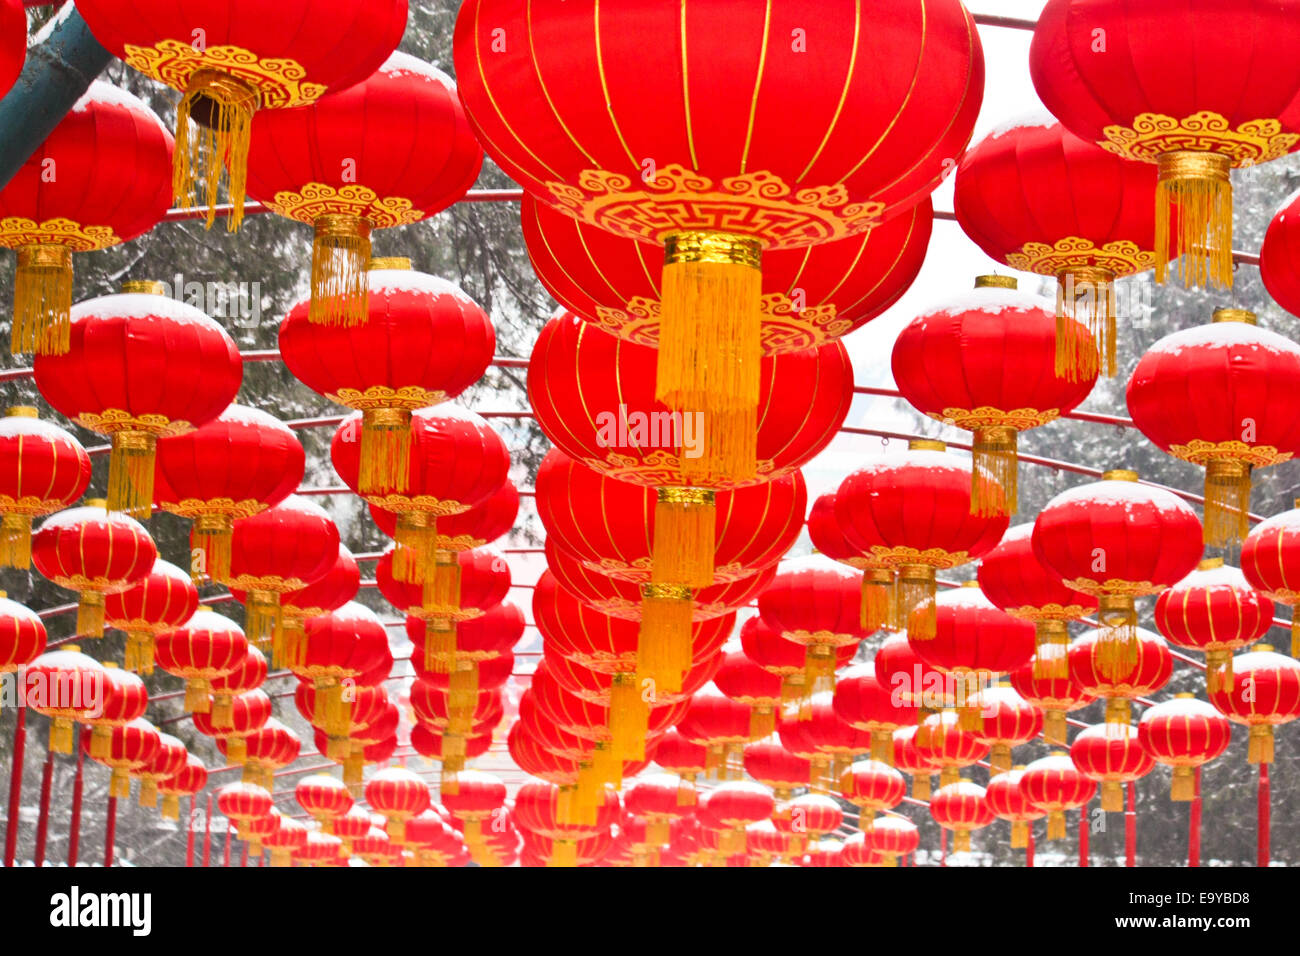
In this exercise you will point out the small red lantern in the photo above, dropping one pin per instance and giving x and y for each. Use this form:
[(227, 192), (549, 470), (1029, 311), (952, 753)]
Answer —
[(43, 469), (22, 635), (188, 781), (128, 749), (732, 806), (206, 647), (1270, 560), (873, 786), (1151, 669), (398, 794), (479, 797), (774, 766), (1266, 695), (270, 747), (287, 840), (943, 742), (340, 646), (961, 807), (169, 760), (744, 681), (1056, 785), (786, 659), (1184, 733), (862, 701), (1006, 720), (1006, 798), (685, 758), (244, 802), (1054, 695), (66, 686), (480, 525), (909, 759), (1111, 754), (879, 604), (891, 837), (1279, 256), (123, 698), (242, 715), (162, 600)]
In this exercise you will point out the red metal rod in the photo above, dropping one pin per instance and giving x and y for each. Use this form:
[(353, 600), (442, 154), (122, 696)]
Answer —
[(43, 821), (1130, 825), (1029, 846), (189, 831), (15, 785), (1084, 830), (225, 857), (74, 820), (207, 833), (243, 856), (110, 831), (1263, 835), (1194, 824)]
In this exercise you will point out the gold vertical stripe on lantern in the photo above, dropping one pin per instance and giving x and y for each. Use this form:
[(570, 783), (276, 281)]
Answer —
[(710, 341), (222, 108), (1085, 300), (131, 473), (1194, 192), (664, 645), (994, 476), (385, 450), (684, 537), (42, 300), (340, 290)]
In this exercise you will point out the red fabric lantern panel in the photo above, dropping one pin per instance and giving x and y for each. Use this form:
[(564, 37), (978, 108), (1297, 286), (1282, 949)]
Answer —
[(961, 807), (1008, 802), (1266, 694), (1184, 733), (66, 686), (1270, 560), (1279, 256), (163, 599), (204, 648), (1005, 720), (22, 636), (1150, 670), (43, 469), (398, 794), (128, 749), (974, 640), (1111, 754), (13, 46), (1056, 785), (865, 702), (1056, 694)]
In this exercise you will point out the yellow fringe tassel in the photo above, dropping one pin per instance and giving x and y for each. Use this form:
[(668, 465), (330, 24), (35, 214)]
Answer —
[(42, 301), (665, 643), (442, 587), (61, 735), (222, 713), (882, 746), (728, 447), (1295, 632), (130, 473), (1218, 670), (462, 693), (222, 106), (999, 759), (960, 841), (15, 541), (819, 665), (710, 332), (417, 543), (878, 600), (171, 806), (1260, 747), (1119, 710), (1195, 189), (236, 749), (1116, 650), (210, 537), (439, 645), (1055, 725), (1019, 834), (1182, 788), (994, 472), (1051, 656), (340, 255), (1227, 502), (90, 614), (916, 589), (148, 792), (385, 450), (949, 775), (262, 621), (1085, 324), (563, 853), (333, 711), (686, 790), (921, 786), (119, 784), (629, 718), (197, 699), (1056, 825), (762, 721), (684, 537), (101, 741)]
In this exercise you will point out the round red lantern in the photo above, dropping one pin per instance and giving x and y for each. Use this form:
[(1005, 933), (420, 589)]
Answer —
[(244, 802), (1055, 784), (123, 698), (337, 647), (1151, 669), (732, 806), (1006, 720), (204, 648), (127, 750), (1266, 694), (891, 837), (1184, 733), (162, 600), (270, 747), (13, 48), (944, 743), (398, 794), (909, 759), (1006, 798), (988, 363), (186, 782), (1112, 754), (864, 702), (233, 719), (22, 635), (879, 606), (66, 686), (786, 659), (873, 786), (169, 760), (1054, 695), (961, 807), (1270, 560), (43, 469), (747, 682), (1279, 256)]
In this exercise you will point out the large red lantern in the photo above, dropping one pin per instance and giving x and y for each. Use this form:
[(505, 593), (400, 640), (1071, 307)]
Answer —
[(343, 645), (66, 686), (732, 806), (13, 47), (1279, 256), (470, 529), (873, 786), (237, 465), (344, 165), (202, 649), (423, 341), (1014, 579), (244, 802), (1008, 802), (911, 680), (1176, 85), (1118, 540), (986, 363), (95, 553), (809, 296), (276, 551), (1055, 784), (43, 469), (398, 794), (140, 366), (22, 636), (879, 607), (1214, 610), (1270, 560), (747, 682), (241, 61), (1266, 695), (721, 187), (961, 807), (909, 759), (878, 508), (1218, 396), (1151, 668), (1111, 754), (815, 602), (1006, 720), (1033, 195), (864, 702), (162, 600), (98, 180), (1183, 733)]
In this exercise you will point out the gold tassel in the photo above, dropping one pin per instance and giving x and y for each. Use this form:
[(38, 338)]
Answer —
[(222, 106), (171, 806), (882, 746), (1085, 338), (949, 775), (563, 853), (960, 841), (354, 767), (794, 687), (262, 621), (149, 792), (999, 759), (732, 841), (971, 718), (1227, 502), (710, 344), (439, 645), (15, 541), (293, 641), (417, 542), (397, 830), (442, 587), (236, 750), (101, 742), (119, 784), (658, 831), (629, 718), (819, 665), (462, 689), (1182, 788), (1260, 747), (337, 748), (340, 288), (686, 790), (664, 645), (197, 699), (90, 614), (1218, 670), (42, 300), (138, 656), (994, 472), (1112, 796), (1019, 834), (1051, 656), (211, 536), (1119, 710), (684, 537), (762, 721), (921, 786), (449, 782), (1055, 725), (916, 589), (1116, 650), (1056, 825), (878, 600), (1195, 190), (333, 712), (385, 450)]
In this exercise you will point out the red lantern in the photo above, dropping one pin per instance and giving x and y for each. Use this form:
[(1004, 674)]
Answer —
[(321, 849), (94, 552), (911, 680), (249, 61), (1270, 560), (479, 796), (732, 806), (43, 469), (241, 716), (810, 296), (336, 647), (128, 749), (1151, 669), (66, 686), (162, 600), (747, 682), (824, 853), (540, 808), (281, 549), (344, 165), (961, 807), (204, 648), (1014, 579), (470, 529), (468, 584), (169, 760), (1215, 395), (140, 366), (719, 192), (811, 815), (186, 782), (815, 602), (786, 659), (1178, 89), (879, 607), (478, 639), (864, 702), (1055, 784), (1184, 733), (286, 841), (1118, 540), (244, 802), (247, 675), (123, 698), (1006, 798), (892, 836), (98, 180), (1006, 720), (987, 363), (398, 794), (942, 741), (13, 48), (239, 464), (1034, 196), (685, 758), (456, 463), (22, 636), (721, 725), (1214, 610), (269, 748), (873, 786), (774, 766), (875, 507), (909, 759), (1055, 696), (1266, 695), (333, 590), (1279, 256), (1112, 754)]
